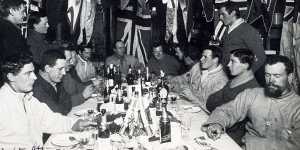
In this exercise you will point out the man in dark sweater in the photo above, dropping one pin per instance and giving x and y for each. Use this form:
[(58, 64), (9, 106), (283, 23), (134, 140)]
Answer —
[(240, 35), (37, 29), (49, 89), (241, 61), (12, 13), (163, 61)]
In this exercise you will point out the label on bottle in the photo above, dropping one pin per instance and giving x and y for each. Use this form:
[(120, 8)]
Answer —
[(165, 131), (163, 93), (110, 82)]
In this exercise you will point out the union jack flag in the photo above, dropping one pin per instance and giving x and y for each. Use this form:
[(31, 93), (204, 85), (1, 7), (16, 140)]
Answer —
[(73, 13), (135, 30), (292, 10)]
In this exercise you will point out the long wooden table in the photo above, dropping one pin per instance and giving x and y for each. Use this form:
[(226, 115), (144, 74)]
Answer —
[(182, 108)]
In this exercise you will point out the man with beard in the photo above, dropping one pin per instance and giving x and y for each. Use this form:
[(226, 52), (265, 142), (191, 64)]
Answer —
[(273, 111)]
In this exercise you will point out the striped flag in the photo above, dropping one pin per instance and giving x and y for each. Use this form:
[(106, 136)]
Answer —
[(134, 28), (290, 38), (73, 13)]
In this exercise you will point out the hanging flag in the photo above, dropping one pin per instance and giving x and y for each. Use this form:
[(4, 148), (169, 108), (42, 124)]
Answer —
[(290, 38), (73, 12), (134, 28), (261, 13), (208, 9), (87, 17)]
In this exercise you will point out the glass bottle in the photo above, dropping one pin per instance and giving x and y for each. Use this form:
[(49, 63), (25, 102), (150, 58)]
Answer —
[(103, 131), (165, 127), (130, 77)]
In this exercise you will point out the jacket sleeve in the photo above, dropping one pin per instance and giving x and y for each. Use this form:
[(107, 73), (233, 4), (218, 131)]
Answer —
[(295, 128), (44, 97), (230, 113), (180, 82), (53, 122), (254, 43)]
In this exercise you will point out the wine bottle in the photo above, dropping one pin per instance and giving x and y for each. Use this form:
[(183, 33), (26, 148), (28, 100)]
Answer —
[(147, 77), (111, 76), (119, 98), (130, 77), (165, 127), (162, 89), (103, 131)]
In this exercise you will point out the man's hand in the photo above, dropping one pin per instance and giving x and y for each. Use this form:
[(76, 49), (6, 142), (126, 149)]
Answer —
[(81, 124), (88, 91), (213, 131), (188, 94)]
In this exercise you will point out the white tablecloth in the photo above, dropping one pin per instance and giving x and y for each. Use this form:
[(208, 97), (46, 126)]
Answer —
[(198, 118)]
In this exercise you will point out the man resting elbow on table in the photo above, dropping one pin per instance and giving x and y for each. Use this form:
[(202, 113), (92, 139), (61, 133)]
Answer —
[(273, 111), (49, 88), (24, 118), (205, 78)]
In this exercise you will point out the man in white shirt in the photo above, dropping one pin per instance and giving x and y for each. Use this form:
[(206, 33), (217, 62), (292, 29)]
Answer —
[(23, 118), (204, 78)]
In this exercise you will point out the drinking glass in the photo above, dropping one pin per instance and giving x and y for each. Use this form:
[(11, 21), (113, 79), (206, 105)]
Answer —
[(185, 122)]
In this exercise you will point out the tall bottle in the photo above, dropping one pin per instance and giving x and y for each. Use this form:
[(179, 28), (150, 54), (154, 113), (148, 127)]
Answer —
[(103, 131), (110, 76), (165, 127), (119, 98), (130, 76), (147, 76), (162, 89), (106, 91), (118, 76)]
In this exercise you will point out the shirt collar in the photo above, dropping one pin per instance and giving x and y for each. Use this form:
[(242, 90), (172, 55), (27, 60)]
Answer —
[(81, 59), (217, 69), (26, 96), (235, 24)]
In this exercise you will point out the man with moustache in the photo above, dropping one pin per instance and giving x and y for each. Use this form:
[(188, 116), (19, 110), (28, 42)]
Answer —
[(273, 111)]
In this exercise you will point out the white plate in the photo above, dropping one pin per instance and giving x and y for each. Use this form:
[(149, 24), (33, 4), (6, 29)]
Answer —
[(63, 140)]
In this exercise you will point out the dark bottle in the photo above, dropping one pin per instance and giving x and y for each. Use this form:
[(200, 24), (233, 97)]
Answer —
[(110, 76), (103, 131), (165, 127), (118, 76), (130, 77), (158, 106)]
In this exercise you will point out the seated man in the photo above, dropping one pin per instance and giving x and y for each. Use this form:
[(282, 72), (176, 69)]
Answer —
[(119, 58), (273, 111), (24, 118), (205, 78), (37, 29), (71, 81), (164, 62), (49, 88), (84, 67), (240, 64)]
